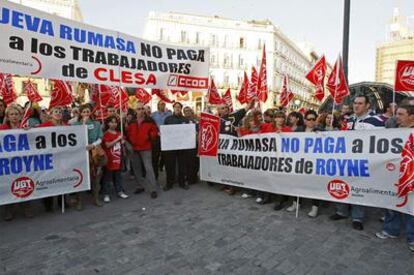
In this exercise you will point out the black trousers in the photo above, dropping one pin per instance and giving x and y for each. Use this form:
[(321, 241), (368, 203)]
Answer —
[(156, 156), (193, 164), (172, 160)]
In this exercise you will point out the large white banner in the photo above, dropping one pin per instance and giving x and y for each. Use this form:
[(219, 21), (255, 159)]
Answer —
[(37, 44), (356, 167), (43, 162)]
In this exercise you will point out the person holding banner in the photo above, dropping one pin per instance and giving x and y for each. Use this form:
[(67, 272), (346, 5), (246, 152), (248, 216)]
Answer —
[(193, 160), (393, 219), (360, 120), (12, 119), (2, 111), (141, 133), (95, 135)]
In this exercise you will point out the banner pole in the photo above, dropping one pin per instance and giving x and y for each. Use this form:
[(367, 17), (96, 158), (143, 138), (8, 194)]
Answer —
[(63, 204), (100, 102), (297, 207)]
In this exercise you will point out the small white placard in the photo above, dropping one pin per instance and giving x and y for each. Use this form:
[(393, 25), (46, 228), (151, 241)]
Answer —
[(178, 137)]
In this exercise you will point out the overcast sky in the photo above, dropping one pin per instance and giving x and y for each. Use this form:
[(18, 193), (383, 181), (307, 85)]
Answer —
[(318, 21)]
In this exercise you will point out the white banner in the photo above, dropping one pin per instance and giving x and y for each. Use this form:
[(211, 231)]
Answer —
[(356, 167), (178, 137), (37, 44), (43, 162)]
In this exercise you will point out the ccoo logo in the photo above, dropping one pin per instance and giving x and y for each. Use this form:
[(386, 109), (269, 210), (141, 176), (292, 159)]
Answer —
[(338, 189), (22, 187)]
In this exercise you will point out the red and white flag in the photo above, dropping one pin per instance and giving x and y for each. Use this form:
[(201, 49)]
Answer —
[(27, 114), (285, 95), (252, 91), (242, 97), (32, 93), (262, 80), (208, 135), (405, 183), (142, 95), (120, 98), (317, 77), (7, 90), (162, 94), (404, 77), (213, 96), (337, 85), (61, 94), (228, 100)]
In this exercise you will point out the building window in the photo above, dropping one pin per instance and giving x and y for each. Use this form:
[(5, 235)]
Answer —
[(197, 38), (226, 79), (242, 43), (183, 36), (227, 61), (225, 41), (259, 44), (213, 40), (213, 59), (161, 34), (241, 61)]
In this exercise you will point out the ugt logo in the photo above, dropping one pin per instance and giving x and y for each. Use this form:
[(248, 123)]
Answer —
[(208, 137), (22, 187), (338, 189)]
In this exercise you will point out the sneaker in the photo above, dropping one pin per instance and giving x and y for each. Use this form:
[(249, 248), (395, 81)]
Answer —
[(384, 235), (139, 190), (314, 212), (259, 200), (292, 207), (107, 198), (337, 217), (246, 195), (411, 246), (122, 195)]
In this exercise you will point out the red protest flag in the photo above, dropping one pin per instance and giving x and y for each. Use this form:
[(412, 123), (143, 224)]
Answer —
[(285, 95), (228, 100), (404, 76), (142, 95), (242, 97), (405, 183), (162, 94), (27, 115), (302, 110), (7, 91), (32, 93), (262, 79), (208, 135), (120, 98), (317, 77), (213, 94), (100, 112), (61, 94), (337, 86), (252, 90)]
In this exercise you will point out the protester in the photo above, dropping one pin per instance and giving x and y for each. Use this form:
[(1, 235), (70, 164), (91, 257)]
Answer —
[(393, 219), (112, 144), (295, 122), (192, 159), (148, 110), (360, 120), (174, 157), (75, 115), (2, 111), (141, 134), (389, 115), (12, 119), (95, 135), (328, 122)]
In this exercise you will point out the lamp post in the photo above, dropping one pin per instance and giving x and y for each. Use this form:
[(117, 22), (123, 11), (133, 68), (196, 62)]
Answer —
[(345, 38)]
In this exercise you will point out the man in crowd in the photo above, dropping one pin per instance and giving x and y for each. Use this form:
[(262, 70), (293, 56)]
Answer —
[(393, 219), (388, 117), (159, 116), (360, 120)]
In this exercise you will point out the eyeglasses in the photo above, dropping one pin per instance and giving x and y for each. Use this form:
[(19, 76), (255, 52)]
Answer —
[(311, 118)]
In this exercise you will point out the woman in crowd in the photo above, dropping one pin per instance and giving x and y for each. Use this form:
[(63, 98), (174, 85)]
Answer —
[(12, 119), (141, 134), (95, 135), (112, 144), (295, 122), (328, 122)]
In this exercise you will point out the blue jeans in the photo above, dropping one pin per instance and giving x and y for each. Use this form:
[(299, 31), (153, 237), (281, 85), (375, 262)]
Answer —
[(109, 177), (392, 224), (357, 211)]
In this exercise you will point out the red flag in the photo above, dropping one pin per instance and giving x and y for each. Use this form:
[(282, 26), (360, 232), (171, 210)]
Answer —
[(61, 94), (162, 94), (252, 90), (7, 91), (27, 114), (337, 85), (302, 110), (405, 183), (32, 92), (228, 100), (404, 76), (100, 112), (208, 134), (317, 77), (262, 80), (242, 98), (120, 98), (213, 94), (286, 95), (142, 95)]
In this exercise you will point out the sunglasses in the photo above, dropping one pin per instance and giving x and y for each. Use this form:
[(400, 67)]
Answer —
[(311, 118)]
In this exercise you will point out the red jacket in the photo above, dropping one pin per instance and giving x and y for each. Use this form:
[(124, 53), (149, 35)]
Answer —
[(141, 136)]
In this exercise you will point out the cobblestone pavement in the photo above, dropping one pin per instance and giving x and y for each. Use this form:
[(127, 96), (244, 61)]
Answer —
[(199, 231)]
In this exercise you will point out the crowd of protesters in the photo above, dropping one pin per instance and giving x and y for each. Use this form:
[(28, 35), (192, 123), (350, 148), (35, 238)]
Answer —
[(136, 150)]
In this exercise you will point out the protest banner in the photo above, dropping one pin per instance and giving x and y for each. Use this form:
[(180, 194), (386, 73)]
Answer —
[(43, 162), (355, 167), (178, 137), (38, 44)]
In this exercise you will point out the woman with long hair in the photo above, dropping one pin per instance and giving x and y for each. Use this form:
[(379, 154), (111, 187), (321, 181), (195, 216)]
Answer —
[(12, 120), (295, 122)]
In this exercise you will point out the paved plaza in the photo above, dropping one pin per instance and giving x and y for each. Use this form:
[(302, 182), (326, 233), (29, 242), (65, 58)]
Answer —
[(199, 231)]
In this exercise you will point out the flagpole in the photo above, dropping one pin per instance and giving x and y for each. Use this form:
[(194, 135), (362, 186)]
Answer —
[(100, 102), (120, 96), (336, 88), (393, 91)]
